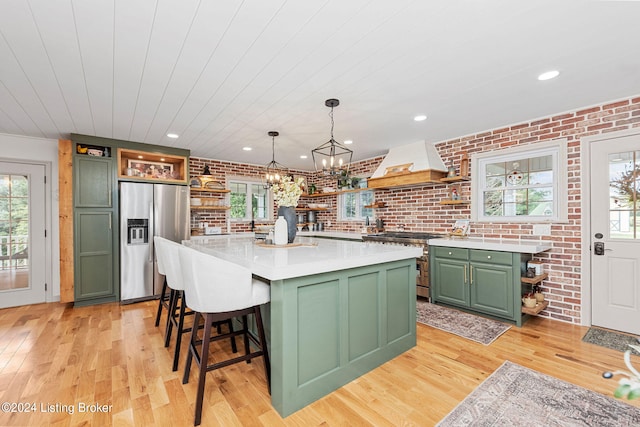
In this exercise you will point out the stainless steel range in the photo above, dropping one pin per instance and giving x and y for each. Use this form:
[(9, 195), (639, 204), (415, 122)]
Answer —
[(411, 239)]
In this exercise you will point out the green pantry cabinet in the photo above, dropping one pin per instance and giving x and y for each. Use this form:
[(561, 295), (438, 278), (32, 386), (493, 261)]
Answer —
[(95, 230), (483, 281), (98, 165)]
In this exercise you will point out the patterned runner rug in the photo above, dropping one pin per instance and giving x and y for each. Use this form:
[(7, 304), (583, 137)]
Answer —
[(466, 325), (517, 396), (610, 339)]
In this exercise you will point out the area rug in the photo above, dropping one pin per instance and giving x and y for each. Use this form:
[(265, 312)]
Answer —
[(466, 325), (517, 396), (609, 339)]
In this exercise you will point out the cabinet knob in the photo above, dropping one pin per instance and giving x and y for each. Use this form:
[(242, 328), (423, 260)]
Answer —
[(488, 256), (450, 253)]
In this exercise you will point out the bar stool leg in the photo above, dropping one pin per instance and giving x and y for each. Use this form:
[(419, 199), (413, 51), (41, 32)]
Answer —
[(171, 314), (192, 350), (263, 344), (161, 301), (245, 334), (176, 352), (202, 375)]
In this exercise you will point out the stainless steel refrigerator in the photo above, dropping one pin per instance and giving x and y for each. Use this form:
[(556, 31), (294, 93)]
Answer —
[(148, 210)]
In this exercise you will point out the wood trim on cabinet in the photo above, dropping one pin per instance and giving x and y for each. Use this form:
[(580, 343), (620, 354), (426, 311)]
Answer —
[(65, 218), (422, 177)]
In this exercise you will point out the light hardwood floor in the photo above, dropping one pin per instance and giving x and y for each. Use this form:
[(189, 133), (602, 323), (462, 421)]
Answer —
[(55, 355)]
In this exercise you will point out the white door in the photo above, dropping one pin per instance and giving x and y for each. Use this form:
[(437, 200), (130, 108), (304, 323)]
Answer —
[(615, 233), (22, 234)]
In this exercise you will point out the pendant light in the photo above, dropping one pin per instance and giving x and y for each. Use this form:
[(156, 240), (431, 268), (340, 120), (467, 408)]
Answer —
[(332, 158), (274, 171)]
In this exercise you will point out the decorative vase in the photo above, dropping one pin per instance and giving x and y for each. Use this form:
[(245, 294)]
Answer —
[(280, 234), (539, 296), (289, 214)]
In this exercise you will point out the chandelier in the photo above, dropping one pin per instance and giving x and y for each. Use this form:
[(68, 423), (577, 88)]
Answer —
[(332, 158), (274, 171)]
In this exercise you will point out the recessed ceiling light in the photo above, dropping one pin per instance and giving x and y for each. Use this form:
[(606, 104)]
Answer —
[(172, 135), (549, 75), (348, 141), (247, 148), (420, 118), (303, 156)]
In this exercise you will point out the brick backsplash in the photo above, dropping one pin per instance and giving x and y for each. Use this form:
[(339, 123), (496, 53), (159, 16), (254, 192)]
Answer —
[(418, 208)]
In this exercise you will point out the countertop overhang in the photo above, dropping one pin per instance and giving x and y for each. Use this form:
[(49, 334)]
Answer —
[(316, 257), (505, 245)]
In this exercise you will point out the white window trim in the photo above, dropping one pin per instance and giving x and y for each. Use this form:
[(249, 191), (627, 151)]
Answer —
[(250, 181), (556, 147), (340, 204)]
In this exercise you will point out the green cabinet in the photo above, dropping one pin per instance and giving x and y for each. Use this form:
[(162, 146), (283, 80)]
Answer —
[(478, 280), (95, 230), (450, 271)]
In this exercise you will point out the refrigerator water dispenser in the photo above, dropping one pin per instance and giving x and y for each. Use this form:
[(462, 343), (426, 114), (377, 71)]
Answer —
[(137, 231)]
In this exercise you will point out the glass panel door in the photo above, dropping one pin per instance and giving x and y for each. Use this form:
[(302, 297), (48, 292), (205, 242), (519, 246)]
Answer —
[(624, 184), (14, 231)]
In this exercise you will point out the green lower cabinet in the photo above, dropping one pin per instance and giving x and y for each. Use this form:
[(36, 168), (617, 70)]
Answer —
[(94, 247), (328, 329), (491, 289), (452, 277), (482, 281)]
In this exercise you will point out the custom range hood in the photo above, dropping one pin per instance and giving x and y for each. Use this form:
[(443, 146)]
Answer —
[(411, 164)]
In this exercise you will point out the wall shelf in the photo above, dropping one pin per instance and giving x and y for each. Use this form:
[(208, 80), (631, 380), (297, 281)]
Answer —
[(137, 165), (377, 205), (534, 311), (534, 280), (454, 179), (210, 208), (209, 190), (454, 202)]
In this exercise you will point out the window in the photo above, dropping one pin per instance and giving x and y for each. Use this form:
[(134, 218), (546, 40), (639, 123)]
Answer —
[(352, 205), (521, 184), (249, 200)]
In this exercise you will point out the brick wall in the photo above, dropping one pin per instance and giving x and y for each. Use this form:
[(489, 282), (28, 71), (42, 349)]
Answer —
[(418, 208)]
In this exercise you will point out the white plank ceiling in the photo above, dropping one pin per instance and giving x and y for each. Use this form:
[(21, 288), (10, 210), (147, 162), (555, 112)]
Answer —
[(221, 74)]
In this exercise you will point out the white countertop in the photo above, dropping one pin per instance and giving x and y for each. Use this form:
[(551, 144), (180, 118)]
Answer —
[(221, 236), (505, 245), (283, 263), (331, 234)]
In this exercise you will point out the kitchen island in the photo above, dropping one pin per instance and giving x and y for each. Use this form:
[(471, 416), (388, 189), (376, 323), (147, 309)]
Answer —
[(338, 309)]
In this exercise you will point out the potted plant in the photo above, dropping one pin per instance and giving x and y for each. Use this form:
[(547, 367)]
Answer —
[(286, 195), (629, 384)]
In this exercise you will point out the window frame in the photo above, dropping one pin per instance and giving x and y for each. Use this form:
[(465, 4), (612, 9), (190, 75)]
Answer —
[(341, 205), (249, 181), (556, 148)]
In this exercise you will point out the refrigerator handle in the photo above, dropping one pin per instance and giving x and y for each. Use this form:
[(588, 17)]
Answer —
[(151, 231)]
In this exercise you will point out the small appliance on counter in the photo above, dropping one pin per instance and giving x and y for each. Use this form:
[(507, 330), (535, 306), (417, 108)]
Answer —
[(261, 232), (208, 231)]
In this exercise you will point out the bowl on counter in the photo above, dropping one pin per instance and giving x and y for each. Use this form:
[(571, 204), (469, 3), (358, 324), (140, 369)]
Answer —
[(312, 205)]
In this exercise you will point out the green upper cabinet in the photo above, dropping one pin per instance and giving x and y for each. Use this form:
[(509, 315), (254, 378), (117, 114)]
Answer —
[(93, 182)]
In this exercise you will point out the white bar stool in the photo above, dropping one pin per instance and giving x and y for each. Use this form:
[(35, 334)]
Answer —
[(219, 290), (168, 257)]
